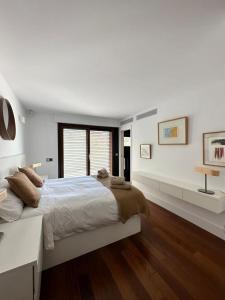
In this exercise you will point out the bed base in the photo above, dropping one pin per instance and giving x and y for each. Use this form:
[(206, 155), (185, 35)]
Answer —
[(82, 243)]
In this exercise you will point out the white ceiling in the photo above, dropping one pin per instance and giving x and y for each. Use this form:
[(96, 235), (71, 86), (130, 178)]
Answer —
[(109, 58)]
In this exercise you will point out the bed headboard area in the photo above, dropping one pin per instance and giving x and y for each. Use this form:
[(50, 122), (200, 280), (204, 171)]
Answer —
[(9, 164)]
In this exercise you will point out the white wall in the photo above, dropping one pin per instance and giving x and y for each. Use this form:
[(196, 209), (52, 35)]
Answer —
[(42, 138), (206, 111), (9, 148)]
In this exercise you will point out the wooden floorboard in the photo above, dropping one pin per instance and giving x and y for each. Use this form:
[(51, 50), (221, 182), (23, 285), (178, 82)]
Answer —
[(170, 259)]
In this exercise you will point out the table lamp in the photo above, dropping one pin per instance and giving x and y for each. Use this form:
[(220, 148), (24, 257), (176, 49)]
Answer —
[(3, 194), (35, 165), (207, 171)]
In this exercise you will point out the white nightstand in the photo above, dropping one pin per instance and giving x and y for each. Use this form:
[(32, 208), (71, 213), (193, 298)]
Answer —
[(21, 259)]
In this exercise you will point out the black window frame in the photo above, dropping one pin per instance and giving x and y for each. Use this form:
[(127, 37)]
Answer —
[(115, 145)]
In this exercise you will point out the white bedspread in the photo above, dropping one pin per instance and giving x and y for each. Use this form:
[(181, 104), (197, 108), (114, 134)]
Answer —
[(72, 205)]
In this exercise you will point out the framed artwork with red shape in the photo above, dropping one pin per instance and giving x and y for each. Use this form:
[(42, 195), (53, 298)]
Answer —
[(214, 148)]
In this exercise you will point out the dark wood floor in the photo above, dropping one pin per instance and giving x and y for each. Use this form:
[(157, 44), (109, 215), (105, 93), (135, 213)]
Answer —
[(170, 259)]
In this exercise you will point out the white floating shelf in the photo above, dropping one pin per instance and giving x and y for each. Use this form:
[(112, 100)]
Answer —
[(181, 190)]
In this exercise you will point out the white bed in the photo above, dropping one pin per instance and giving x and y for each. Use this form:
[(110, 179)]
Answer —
[(73, 205), (87, 241), (79, 215)]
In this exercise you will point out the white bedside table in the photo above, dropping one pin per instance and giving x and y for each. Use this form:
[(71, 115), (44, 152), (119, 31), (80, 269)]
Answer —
[(21, 259)]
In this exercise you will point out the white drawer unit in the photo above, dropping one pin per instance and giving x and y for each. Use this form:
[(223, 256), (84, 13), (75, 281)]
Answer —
[(146, 180), (170, 189), (182, 190), (214, 203), (21, 259)]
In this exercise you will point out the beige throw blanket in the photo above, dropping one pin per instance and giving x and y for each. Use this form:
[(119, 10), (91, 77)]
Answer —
[(130, 202)]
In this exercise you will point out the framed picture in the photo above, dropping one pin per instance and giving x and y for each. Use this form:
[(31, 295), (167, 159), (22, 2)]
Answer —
[(173, 132), (146, 151), (214, 148)]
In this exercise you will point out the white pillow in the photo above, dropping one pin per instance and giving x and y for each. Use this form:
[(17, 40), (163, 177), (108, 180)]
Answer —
[(11, 208)]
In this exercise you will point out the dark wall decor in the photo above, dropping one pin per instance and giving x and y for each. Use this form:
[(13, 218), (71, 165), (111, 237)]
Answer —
[(7, 129), (214, 148)]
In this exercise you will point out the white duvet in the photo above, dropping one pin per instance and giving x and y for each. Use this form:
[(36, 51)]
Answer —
[(72, 205)]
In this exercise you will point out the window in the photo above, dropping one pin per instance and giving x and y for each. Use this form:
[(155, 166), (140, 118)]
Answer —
[(83, 150), (75, 152), (100, 151)]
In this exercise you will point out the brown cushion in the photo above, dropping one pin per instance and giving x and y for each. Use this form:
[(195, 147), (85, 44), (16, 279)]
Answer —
[(32, 175), (24, 189)]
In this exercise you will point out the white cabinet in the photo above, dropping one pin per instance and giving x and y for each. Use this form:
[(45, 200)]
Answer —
[(182, 190), (17, 284), (21, 259), (154, 184), (170, 189), (214, 203)]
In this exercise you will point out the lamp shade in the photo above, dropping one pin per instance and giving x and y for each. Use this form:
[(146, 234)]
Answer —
[(3, 194), (36, 165), (207, 171)]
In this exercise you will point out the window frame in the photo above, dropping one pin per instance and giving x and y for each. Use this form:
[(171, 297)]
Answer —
[(88, 128)]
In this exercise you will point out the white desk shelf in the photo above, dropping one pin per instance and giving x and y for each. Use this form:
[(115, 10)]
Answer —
[(183, 191)]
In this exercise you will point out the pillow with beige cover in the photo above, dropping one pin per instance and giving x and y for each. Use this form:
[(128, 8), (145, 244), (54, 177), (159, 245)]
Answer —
[(32, 175), (21, 185)]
